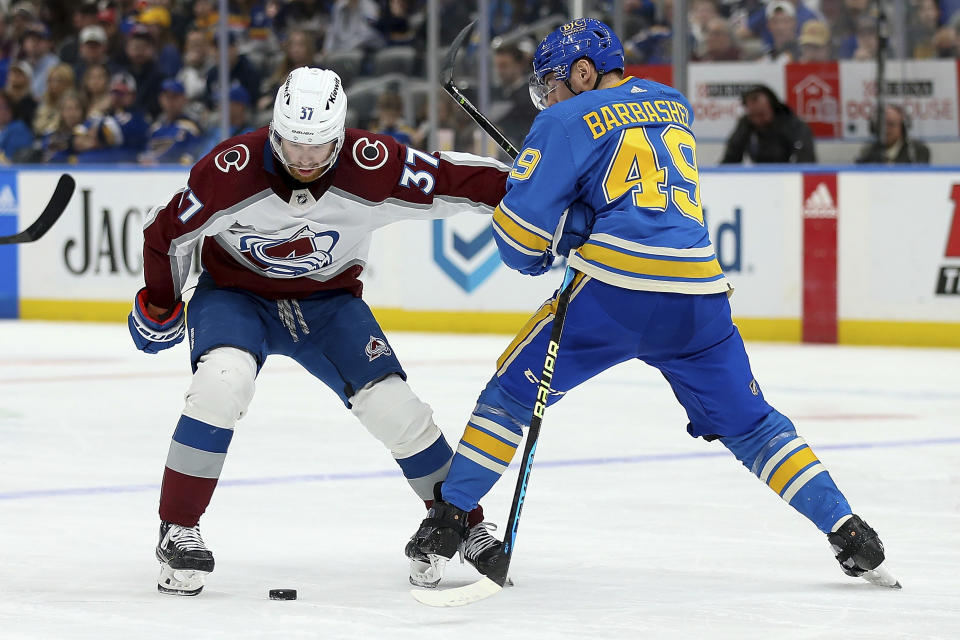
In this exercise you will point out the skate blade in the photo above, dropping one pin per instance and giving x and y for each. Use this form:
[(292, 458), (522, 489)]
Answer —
[(881, 577), (180, 582), (427, 574)]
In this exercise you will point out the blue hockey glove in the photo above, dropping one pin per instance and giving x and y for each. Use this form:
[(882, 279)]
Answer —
[(539, 267), (576, 229), (152, 335)]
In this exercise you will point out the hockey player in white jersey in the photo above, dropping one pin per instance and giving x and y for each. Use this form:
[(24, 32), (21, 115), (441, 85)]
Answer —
[(285, 215)]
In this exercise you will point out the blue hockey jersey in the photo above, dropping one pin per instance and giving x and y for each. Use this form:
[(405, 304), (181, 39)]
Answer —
[(612, 172)]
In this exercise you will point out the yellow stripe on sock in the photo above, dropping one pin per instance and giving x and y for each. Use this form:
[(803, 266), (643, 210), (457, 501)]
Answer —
[(488, 444), (790, 467)]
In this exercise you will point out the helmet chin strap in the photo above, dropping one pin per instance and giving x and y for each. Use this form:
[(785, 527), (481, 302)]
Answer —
[(596, 84)]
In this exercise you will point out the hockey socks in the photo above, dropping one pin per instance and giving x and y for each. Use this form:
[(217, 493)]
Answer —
[(194, 462), (783, 461)]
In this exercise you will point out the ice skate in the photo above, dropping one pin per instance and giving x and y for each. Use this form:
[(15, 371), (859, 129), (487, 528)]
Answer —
[(184, 560), (439, 537), (860, 553), (484, 551)]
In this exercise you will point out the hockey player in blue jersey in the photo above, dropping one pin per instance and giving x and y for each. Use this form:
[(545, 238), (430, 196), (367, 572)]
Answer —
[(608, 177)]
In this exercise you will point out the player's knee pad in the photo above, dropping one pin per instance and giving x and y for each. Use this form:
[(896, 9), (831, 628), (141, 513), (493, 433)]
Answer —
[(222, 387), (395, 416)]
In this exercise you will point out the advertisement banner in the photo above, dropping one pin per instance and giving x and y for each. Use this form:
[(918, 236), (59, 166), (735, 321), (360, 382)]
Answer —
[(813, 92), (820, 257), (900, 246), (755, 225), (925, 89), (95, 251), (715, 89)]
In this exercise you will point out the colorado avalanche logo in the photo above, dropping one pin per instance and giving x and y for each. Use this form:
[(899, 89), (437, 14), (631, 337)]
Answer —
[(292, 257), (377, 347), (369, 155), (236, 157)]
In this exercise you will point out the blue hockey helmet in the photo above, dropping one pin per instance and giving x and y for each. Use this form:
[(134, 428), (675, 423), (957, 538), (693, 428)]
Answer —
[(582, 38)]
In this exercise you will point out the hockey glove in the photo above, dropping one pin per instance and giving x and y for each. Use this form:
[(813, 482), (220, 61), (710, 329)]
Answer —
[(152, 335), (541, 266)]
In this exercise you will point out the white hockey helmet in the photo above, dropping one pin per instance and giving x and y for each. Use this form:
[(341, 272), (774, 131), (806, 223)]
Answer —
[(310, 110)]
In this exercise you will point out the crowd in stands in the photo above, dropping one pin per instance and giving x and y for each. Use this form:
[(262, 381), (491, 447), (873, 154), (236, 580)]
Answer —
[(137, 81)]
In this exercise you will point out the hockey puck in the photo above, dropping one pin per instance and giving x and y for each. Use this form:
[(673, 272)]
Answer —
[(283, 594)]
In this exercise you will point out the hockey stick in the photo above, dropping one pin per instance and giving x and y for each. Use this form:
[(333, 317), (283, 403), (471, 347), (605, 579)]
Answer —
[(446, 78), (51, 213), (492, 583)]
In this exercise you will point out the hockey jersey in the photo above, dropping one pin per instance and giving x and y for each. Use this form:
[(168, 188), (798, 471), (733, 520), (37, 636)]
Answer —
[(265, 233), (615, 169)]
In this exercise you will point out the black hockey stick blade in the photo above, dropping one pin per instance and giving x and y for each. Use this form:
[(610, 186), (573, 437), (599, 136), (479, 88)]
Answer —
[(51, 213), (446, 79), (446, 69)]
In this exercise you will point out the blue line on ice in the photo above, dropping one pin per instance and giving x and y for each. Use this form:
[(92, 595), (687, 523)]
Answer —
[(385, 473)]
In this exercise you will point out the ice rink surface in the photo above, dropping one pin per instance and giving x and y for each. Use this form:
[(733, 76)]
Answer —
[(631, 528)]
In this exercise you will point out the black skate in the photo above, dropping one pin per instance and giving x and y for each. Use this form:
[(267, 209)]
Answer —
[(445, 532), (184, 559), (440, 536), (485, 552), (860, 553)]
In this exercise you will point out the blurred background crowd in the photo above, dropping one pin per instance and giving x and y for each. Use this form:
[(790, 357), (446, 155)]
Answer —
[(91, 81)]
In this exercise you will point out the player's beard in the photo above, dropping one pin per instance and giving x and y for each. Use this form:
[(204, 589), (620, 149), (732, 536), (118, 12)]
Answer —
[(305, 176)]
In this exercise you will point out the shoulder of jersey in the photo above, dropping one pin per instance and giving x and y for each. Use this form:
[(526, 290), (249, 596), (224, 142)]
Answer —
[(366, 150), (234, 167)]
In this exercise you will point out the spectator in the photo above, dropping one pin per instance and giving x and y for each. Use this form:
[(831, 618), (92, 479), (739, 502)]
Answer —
[(814, 42), (769, 131), (19, 88), (93, 49), (515, 112), (239, 117), (390, 118), (782, 24), (700, 14), (142, 65), (197, 61), (299, 50), (718, 43), (759, 18), (84, 15), (61, 81), (866, 40), (845, 28), (22, 16), (95, 90), (896, 147), (946, 43), (242, 71), (351, 27), (61, 145), (37, 51), (174, 136), (121, 134), (157, 20), (15, 136), (394, 24)]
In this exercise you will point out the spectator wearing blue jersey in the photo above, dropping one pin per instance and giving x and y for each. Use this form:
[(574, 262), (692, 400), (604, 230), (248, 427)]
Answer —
[(121, 134), (173, 136), (390, 118), (242, 71), (643, 283), (15, 135), (36, 49), (239, 118)]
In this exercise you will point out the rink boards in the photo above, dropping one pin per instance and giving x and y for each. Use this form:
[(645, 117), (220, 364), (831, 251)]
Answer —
[(834, 254)]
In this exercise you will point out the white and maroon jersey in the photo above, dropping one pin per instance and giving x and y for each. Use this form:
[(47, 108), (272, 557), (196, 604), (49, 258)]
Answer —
[(265, 233)]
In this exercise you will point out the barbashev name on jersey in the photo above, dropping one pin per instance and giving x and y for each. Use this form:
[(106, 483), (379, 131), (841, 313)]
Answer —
[(621, 114)]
